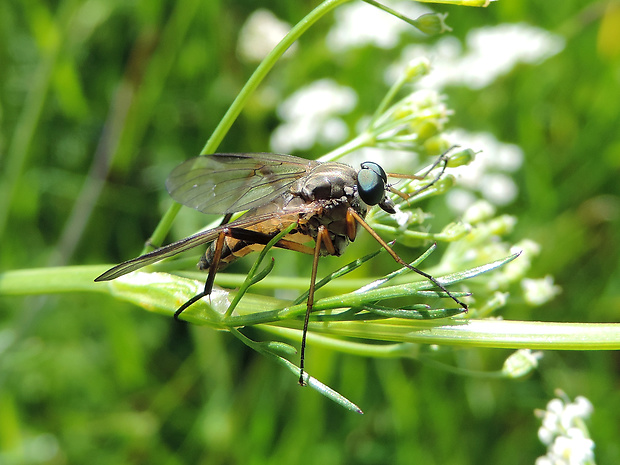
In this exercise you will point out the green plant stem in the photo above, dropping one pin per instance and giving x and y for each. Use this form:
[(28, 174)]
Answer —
[(476, 3), (411, 234), (242, 98), (394, 13), (347, 346), (457, 331), (389, 97), (484, 333), (54, 280)]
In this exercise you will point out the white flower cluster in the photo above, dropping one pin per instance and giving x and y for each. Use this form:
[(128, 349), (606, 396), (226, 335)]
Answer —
[(564, 433), (312, 114), (489, 52)]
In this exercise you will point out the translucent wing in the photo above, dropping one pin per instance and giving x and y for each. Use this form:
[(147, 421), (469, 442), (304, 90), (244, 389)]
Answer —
[(191, 242), (232, 182)]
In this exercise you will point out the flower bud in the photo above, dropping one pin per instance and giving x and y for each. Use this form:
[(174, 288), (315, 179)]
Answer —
[(432, 23), (425, 130), (417, 67), (455, 231), (436, 145), (521, 363), (461, 158)]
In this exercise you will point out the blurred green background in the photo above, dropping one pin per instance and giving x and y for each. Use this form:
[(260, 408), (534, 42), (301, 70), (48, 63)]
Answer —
[(100, 99)]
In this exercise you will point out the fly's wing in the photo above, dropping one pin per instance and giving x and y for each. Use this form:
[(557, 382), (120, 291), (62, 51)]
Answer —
[(233, 182), (195, 240)]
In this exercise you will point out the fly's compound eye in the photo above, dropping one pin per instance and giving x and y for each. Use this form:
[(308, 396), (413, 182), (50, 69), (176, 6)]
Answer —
[(371, 181)]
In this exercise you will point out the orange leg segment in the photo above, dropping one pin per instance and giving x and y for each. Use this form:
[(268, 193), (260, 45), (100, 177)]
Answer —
[(322, 238)]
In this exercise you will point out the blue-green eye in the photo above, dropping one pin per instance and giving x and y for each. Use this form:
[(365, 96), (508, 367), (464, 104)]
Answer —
[(371, 181)]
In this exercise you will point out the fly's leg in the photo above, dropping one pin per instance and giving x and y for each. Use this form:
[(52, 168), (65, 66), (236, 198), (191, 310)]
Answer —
[(247, 235), (226, 219), (322, 238), (219, 244), (352, 213)]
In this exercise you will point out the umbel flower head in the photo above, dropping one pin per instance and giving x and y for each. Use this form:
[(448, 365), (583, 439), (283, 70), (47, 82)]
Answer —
[(564, 432)]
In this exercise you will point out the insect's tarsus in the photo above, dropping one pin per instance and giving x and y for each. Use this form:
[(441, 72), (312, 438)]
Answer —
[(190, 302)]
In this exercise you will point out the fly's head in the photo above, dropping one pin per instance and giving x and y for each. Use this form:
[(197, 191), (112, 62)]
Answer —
[(372, 186)]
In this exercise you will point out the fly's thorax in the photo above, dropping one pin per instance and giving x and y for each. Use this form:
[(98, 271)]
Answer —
[(327, 181)]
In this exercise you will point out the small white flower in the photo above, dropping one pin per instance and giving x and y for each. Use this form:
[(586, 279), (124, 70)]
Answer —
[(478, 212), (555, 406), (539, 291), (545, 435), (460, 200), (490, 176), (574, 450), (498, 188), (528, 248), (318, 99), (551, 421), (584, 406), (544, 461), (333, 131), (403, 218), (518, 268)]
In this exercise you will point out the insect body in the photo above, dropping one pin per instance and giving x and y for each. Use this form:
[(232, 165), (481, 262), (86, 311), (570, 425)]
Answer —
[(320, 198), (327, 201)]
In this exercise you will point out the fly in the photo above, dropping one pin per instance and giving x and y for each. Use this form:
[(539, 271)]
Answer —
[(327, 201)]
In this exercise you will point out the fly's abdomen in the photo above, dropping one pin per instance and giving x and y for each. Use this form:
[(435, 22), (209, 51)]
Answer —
[(232, 249), (239, 242)]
